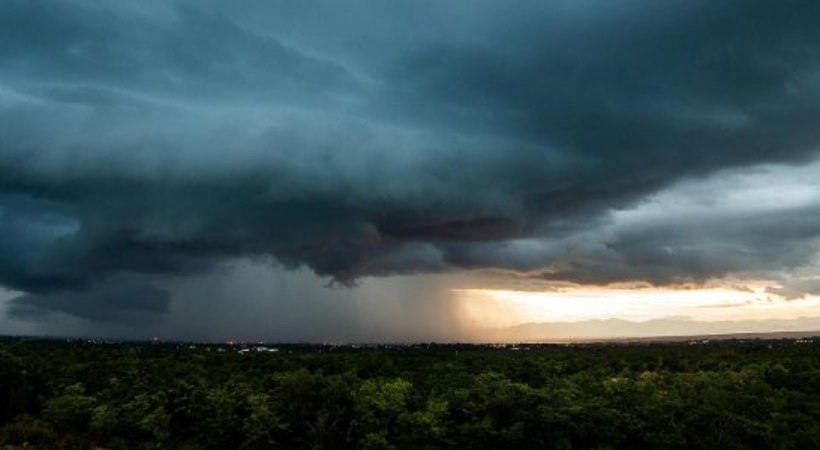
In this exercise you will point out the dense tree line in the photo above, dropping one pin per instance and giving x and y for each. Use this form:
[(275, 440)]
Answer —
[(79, 395)]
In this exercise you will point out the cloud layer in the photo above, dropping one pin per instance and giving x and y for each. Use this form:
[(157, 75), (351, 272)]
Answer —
[(140, 141)]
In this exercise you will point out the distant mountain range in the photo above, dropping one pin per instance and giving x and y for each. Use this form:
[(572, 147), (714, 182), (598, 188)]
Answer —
[(682, 327)]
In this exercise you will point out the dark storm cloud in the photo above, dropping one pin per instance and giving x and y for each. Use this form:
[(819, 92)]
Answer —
[(696, 249), (165, 137), (759, 223), (117, 300)]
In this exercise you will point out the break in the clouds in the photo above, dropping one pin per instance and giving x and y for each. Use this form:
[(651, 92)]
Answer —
[(577, 141)]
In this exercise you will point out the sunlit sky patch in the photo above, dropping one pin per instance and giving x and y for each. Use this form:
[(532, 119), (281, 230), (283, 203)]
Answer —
[(503, 308)]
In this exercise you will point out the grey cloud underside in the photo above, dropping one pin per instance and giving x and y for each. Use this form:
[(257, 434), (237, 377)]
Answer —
[(117, 299), (163, 138)]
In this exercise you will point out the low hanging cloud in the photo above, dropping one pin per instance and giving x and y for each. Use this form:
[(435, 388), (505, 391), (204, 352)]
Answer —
[(167, 137), (116, 299), (759, 223)]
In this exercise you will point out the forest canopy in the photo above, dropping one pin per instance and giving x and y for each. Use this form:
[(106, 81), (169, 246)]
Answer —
[(733, 394)]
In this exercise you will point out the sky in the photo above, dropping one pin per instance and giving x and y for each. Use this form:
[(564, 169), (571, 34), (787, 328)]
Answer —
[(419, 170)]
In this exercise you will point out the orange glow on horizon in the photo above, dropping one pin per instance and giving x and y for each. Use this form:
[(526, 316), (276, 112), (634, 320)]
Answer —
[(492, 308)]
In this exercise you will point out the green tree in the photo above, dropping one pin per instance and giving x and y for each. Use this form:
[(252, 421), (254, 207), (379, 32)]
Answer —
[(379, 406)]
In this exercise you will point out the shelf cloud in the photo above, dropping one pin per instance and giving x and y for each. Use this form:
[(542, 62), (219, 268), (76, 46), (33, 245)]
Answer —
[(587, 142)]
